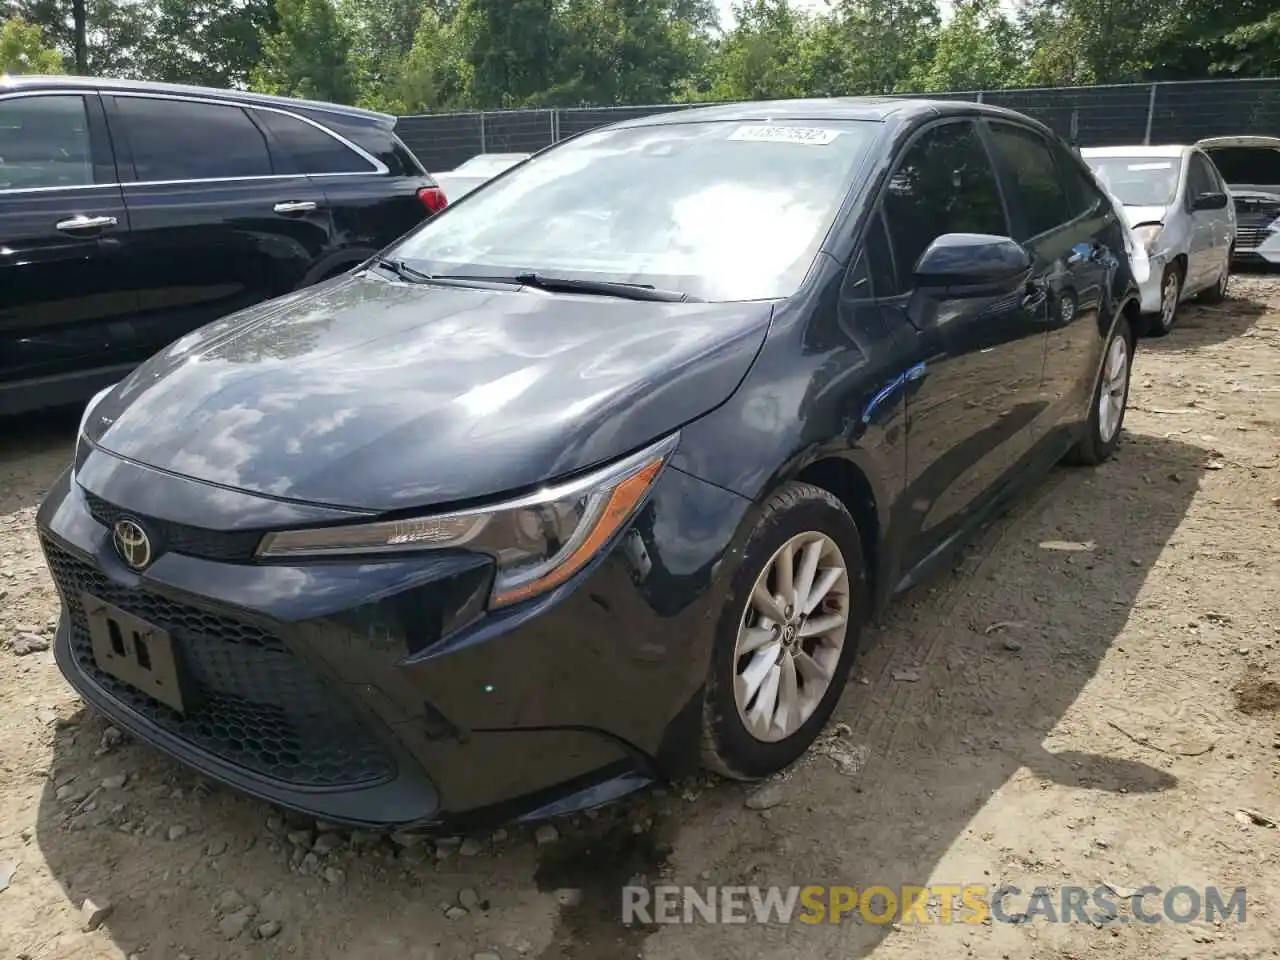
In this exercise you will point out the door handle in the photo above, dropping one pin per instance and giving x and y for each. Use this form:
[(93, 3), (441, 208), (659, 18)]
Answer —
[(82, 223), (295, 206)]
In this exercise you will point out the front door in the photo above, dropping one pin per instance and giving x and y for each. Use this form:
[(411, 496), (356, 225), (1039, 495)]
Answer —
[(974, 390), (63, 234)]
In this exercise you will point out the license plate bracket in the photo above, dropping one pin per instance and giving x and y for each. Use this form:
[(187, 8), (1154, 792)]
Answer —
[(136, 652)]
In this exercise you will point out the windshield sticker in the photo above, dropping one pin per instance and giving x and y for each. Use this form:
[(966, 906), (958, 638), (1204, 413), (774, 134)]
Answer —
[(812, 136), (1164, 165)]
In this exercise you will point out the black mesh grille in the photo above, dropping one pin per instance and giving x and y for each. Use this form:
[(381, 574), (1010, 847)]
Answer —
[(257, 704), (178, 537)]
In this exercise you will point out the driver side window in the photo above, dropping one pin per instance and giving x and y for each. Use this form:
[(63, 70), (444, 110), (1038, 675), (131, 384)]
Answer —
[(944, 183)]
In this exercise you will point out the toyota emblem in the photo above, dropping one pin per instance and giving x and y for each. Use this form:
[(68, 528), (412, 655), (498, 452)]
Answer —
[(132, 543)]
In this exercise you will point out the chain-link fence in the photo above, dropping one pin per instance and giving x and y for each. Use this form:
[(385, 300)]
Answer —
[(1088, 116)]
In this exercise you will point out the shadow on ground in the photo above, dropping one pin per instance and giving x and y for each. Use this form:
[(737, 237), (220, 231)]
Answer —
[(1001, 648), (1201, 324)]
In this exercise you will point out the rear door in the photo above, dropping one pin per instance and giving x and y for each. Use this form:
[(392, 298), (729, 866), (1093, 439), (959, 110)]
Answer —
[(1210, 229), (218, 222), (373, 187), (63, 237), (1068, 260)]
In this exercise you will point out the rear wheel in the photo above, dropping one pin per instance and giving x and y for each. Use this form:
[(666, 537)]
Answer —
[(1170, 294), (1110, 400), (787, 636)]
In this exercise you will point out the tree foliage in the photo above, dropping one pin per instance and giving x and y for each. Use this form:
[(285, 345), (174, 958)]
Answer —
[(22, 49), (433, 55)]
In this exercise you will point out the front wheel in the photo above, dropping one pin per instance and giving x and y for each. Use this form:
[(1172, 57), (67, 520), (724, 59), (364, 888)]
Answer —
[(1110, 400), (787, 636)]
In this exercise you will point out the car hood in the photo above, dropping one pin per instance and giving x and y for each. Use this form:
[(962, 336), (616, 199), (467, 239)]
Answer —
[(379, 395), (1245, 193), (1136, 215)]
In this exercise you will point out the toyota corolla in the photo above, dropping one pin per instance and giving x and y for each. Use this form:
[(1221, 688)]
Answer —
[(595, 476)]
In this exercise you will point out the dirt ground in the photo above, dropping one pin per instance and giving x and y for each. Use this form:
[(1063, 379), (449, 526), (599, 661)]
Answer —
[(1092, 696)]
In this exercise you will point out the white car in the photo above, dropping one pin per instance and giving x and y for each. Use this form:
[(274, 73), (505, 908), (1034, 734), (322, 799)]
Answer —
[(1251, 167), (461, 180), (1181, 211)]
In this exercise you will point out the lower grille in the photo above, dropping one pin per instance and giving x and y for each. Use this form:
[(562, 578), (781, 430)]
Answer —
[(258, 705)]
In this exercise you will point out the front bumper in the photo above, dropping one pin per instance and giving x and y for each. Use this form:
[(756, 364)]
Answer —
[(381, 693)]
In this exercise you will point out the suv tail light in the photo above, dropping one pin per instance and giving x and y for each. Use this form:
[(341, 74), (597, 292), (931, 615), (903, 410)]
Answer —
[(433, 199)]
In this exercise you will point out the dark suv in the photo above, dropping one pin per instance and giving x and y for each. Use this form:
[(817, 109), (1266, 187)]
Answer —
[(132, 213)]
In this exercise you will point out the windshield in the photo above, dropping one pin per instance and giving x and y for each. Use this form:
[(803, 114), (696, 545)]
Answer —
[(1139, 181), (715, 210), (1248, 166)]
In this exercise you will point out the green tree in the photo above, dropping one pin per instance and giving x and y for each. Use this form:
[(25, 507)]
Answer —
[(629, 51), (979, 48), (511, 48), (22, 49), (760, 59), (104, 38), (215, 43), (432, 77), (307, 55)]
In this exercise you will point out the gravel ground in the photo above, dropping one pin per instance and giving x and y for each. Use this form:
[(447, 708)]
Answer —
[(1091, 696)]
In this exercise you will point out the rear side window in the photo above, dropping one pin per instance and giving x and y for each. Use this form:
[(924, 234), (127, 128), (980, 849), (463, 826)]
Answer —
[(311, 149), (44, 142), (183, 140), (1034, 178), (944, 184)]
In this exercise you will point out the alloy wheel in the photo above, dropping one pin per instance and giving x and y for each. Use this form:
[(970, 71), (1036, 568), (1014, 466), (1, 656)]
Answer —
[(791, 636), (1114, 388)]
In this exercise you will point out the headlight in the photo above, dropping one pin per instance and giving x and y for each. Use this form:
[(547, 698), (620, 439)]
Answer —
[(1148, 234), (538, 541)]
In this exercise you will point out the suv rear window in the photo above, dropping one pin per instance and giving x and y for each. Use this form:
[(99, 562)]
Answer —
[(311, 149), (185, 140)]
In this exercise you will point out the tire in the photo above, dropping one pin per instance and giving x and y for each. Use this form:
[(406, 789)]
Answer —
[(797, 516), (1218, 292), (1101, 436), (1170, 294)]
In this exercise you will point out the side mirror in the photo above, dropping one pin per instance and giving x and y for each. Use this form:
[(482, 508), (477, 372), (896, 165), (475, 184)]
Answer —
[(1210, 201), (972, 265)]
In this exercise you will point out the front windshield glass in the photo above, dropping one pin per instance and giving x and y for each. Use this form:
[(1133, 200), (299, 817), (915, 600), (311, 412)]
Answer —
[(716, 210), (1139, 181)]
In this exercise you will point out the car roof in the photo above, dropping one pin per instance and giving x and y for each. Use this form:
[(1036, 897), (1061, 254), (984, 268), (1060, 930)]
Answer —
[(1162, 150), (829, 108), (108, 85)]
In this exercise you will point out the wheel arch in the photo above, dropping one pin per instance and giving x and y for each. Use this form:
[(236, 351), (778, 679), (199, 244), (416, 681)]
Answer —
[(851, 484)]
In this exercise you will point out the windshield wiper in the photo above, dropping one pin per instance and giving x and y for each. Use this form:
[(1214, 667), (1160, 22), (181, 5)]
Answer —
[(404, 271), (603, 288)]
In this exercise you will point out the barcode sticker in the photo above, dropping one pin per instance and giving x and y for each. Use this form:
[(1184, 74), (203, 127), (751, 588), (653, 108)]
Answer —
[(769, 133)]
